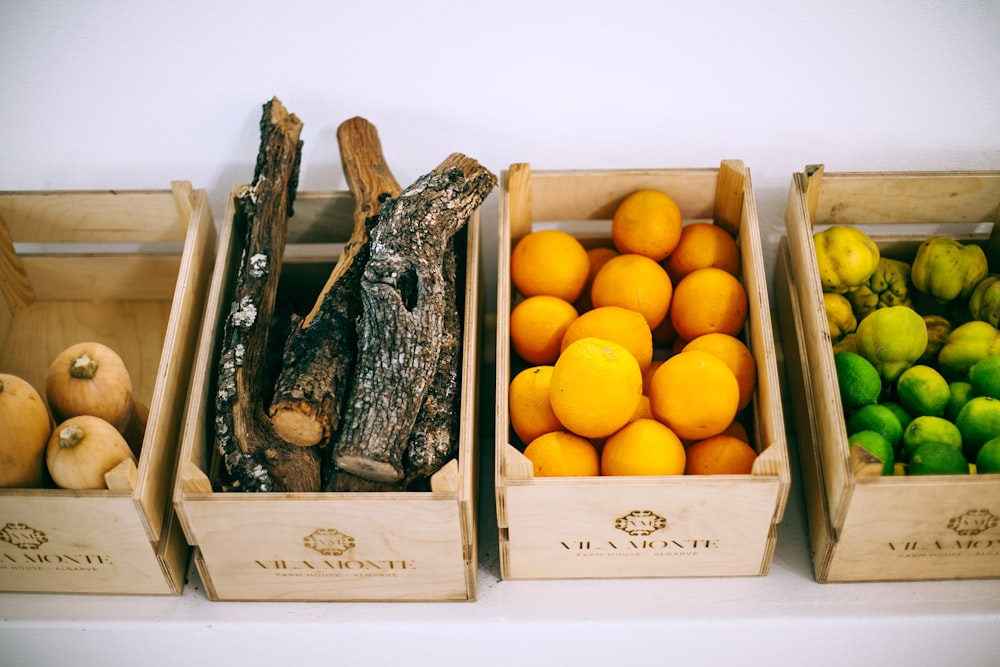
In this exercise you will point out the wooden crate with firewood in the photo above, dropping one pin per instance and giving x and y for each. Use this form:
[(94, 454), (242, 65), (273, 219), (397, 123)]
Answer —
[(346, 471)]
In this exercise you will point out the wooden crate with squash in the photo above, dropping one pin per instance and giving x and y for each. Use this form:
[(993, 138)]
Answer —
[(863, 526), (125, 271), (675, 525)]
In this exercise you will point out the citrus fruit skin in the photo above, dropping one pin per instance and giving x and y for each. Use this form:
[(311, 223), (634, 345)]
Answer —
[(708, 300), (936, 458), (625, 327), (736, 355), (878, 418), (531, 413), (720, 455), (635, 282), (927, 428), (961, 393), (537, 326), (549, 261), (598, 258), (595, 388), (695, 394), (876, 445), (647, 222), (643, 447), (562, 454), (978, 421), (858, 379), (703, 244), (988, 458), (966, 344), (923, 391), (984, 376)]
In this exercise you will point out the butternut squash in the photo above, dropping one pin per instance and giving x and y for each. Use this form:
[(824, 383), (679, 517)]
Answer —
[(25, 426), (90, 378), (82, 449)]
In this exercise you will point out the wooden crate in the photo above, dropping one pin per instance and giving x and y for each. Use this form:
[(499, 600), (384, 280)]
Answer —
[(382, 546), (881, 528), (613, 527), (129, 269)]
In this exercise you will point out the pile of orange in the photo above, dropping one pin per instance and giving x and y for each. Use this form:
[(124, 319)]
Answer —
[(631, 361)]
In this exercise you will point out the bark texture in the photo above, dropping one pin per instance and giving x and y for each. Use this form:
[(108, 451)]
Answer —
[(405, 307), (255, 458)]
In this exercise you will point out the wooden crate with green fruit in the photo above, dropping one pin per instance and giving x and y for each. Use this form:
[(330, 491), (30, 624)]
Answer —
[(889, 301)]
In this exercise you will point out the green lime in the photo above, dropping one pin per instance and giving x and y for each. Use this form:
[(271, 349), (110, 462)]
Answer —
[(876, 445), (878, 418), (936, 458), (988, 458), (961, 392), (902, 415), (927, 428), (923, 391), (859, 381), (984, 376), (978, 421)]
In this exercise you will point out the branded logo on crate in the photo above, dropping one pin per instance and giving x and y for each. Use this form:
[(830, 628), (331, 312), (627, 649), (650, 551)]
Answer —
[(329, 541), (23, 536), (30, 556), (968, 525), (638, 526), (340, 562), (640, 522), (973, 522)]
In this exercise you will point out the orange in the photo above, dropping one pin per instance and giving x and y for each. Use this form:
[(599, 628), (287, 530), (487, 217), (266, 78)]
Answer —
[(562, 454), (643, 447), (537, 326), (643, 410), (619, 325), (738, 431), (647, 222), (736, 355), (720, 455), (702, 245), (595, 388), (598, 258), (635, 282), (695, 394), (706, 301), (531, 413), (549, 261), (647, 374)]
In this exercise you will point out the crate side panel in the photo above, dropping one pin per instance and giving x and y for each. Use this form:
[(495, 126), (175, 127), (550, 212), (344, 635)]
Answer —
[(322, 548), (76, 543), (594, 195), (943, 528), (894, 197), (91, 216), (647, 528), (102, 277)]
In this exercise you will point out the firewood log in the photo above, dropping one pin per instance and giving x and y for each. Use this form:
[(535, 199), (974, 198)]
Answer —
[(255, 458), (319, 354), (403, 299)]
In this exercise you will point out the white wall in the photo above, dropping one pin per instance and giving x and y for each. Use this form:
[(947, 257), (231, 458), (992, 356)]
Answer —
[(122, 94)]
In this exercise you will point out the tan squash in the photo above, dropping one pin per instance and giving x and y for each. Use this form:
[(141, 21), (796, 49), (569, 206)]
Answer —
[(25, 426), (90, 378), (82, 449)]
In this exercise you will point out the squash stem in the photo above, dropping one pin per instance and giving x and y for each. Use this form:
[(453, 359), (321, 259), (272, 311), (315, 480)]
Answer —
[(70, 436), (83, 367)]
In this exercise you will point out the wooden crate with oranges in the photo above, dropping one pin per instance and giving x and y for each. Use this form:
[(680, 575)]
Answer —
[(866, 527), (639, 427)]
